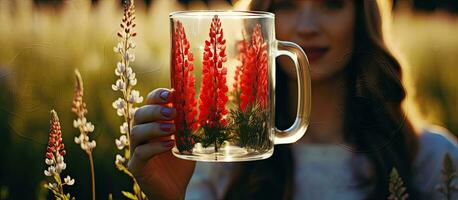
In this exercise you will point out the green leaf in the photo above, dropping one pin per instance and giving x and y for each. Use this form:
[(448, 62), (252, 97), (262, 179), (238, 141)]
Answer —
[(250, 125), (448, 167), (129, 195), (144, 196), (137, 189), (448, 175), (396, 186)]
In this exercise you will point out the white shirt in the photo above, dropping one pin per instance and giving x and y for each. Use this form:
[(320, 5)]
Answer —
[(328, 171)]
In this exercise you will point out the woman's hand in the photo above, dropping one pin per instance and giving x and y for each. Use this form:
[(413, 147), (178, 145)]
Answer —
[(160, 174)]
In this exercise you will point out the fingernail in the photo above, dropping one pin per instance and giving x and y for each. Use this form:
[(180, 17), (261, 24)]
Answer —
[(168, 143), (164, 95), (166, 111), (166, 127)]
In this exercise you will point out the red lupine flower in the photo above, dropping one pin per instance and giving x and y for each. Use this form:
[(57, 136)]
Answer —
[(183, 84), (213, 96), (55, 160), (55, 150), (55, 145), (254, 78), (242, 48)]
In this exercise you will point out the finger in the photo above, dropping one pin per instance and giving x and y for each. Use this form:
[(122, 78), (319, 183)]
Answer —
[(142, 153), (152, 113), (142, 133), (159, 96)]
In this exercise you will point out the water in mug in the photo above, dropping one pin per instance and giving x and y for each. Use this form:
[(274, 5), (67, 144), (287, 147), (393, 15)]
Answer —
[(220, 74)]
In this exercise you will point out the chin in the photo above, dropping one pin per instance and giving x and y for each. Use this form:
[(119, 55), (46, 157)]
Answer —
[(319, 72), (326, 74)]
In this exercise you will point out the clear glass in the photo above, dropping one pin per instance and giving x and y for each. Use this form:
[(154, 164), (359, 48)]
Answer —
[(223, 77)]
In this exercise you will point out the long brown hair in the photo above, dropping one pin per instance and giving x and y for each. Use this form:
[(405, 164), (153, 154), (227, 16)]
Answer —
[(374, 123)]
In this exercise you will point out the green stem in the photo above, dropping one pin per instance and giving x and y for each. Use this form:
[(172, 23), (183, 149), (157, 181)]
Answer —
[(126, 171), (59, 185), (91, 161), (448, 188)]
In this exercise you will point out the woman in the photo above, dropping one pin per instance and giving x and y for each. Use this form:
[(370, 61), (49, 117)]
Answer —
[(358, 132)]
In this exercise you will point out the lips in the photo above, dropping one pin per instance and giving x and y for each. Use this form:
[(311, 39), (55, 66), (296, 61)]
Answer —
[(315, 53)]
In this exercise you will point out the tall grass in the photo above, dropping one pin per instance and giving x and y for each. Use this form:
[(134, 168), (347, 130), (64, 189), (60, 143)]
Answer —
[(429, 44), (40, 48)]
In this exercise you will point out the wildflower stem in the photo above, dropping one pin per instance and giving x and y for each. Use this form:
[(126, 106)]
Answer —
[(215, 83), (84, 127), (126, 92), (91, 161), (55, 160), (126, 98), (59, 185), (91, 164), (125, 104)]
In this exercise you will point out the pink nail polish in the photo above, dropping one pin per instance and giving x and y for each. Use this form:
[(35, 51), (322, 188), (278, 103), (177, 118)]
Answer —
[(164, 95), (167, 112), (168, 143), (165, 127)]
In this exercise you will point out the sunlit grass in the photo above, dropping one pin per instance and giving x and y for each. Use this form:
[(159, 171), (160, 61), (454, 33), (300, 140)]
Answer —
[(429, 44), (40, 48)]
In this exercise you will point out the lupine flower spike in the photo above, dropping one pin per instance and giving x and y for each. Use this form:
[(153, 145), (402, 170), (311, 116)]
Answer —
[(126, 81), (396, 187), (55, 160), (242, 48), (254, 75), (213, 97), (251, 92), (184, 92), (84, 127)]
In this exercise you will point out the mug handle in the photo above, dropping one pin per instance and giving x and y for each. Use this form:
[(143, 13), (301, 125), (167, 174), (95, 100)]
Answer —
[(297, 130)]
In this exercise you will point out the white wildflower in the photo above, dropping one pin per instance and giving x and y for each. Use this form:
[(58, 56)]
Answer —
[(60, 167), (132, 44), (129, 72), (79, 122), (129, 57), (49, 161), (60, 164), (124, 128), (91, 144), (69, 181), (118, 48), (129, 96), (132, 112), (135, 97), (88, 127), (122, 142), (119, 86), (79, 139), (119, 159), (119, 105), (48, 173), (133, 81), (60, 159), (76, 123), (120, 69)]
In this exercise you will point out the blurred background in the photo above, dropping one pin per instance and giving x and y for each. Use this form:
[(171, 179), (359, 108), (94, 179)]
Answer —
[(43, 41)]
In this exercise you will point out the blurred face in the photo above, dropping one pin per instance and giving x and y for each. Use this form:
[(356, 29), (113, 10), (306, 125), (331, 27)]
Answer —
[(323, 28)]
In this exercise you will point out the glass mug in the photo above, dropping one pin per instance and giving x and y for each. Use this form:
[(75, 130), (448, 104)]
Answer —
[(223, 82)]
